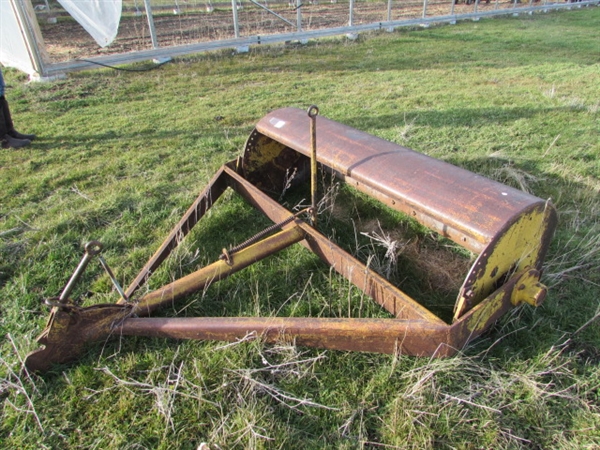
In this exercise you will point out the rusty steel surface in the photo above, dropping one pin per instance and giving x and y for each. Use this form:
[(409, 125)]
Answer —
[(195, 212), (417, 337), (313, 111), (511, 231), (478, 208), (69, 332), (92, 249), (217, 271), (368, 335)]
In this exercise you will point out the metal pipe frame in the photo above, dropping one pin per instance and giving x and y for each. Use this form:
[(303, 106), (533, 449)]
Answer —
[(56, 69), (270, 11), (150, 16), (32, 36)]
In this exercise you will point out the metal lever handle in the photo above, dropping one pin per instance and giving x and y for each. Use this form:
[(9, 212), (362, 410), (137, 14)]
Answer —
[(313, 111)]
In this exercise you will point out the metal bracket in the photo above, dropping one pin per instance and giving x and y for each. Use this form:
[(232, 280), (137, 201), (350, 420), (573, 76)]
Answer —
[(92, 248)]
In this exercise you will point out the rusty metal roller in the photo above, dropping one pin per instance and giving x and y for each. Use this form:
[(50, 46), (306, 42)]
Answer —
[(509, 229)]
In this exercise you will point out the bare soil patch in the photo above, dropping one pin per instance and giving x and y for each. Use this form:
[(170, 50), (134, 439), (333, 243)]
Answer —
[(67, 40)]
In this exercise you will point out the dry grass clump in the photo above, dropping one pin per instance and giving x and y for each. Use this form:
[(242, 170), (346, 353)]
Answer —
[(438, 265), (17, 388), (443, 269), (454, 391), (514, 176), (577, 248), (578, 257), (238, 398)]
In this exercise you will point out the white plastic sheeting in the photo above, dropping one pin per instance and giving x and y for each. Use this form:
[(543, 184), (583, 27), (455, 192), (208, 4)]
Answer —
[(100, 18), (13, 47)]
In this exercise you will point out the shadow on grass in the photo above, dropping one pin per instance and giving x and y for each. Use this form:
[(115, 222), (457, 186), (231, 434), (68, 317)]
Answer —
[(81, 142), (457, 117)]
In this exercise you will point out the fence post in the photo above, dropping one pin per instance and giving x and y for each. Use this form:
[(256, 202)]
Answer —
[(452, 3), (389, 11), (351, 18), (298, 15), (424, 9), (236, 25), (151, 23)]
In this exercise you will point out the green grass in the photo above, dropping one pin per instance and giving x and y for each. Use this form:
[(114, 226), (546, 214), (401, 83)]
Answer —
[(121, 155)]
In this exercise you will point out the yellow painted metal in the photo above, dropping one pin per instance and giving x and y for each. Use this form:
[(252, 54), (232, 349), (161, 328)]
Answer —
[(272, 166), (519, 246), (522, 287), (481, 315), (270, 152), (529, 290)]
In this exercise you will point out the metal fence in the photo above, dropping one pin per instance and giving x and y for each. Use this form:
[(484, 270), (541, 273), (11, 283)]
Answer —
[(160, 29)]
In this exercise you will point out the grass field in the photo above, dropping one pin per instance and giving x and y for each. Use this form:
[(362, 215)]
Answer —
[(121, 155)]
